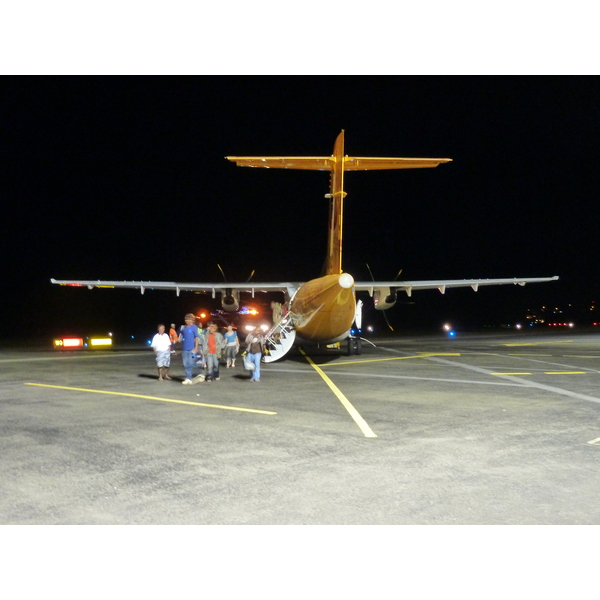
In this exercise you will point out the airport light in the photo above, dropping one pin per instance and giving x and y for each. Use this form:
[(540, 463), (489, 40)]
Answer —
[(70, 343), (97, 342)]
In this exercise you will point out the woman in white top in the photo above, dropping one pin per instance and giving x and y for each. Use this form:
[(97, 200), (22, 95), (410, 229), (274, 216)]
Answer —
[(161, 344)]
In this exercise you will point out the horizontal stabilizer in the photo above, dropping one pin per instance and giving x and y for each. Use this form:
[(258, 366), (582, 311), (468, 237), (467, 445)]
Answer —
[(326, 163)]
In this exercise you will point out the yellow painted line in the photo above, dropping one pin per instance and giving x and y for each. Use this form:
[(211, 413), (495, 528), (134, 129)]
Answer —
[(61, 387), (510, 373), (372, 360), (565, 372), (547, 373), (345, 402), (426, 354), (540, 343)]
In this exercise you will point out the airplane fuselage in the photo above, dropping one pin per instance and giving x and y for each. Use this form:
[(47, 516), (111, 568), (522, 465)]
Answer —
[(323, 309)]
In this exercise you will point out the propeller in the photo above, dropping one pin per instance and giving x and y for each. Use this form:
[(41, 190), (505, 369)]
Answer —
[(387, 321), (225, 278), (222, 273)]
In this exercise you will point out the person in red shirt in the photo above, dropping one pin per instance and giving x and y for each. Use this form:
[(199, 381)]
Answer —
[(212, 347), (173, 337)]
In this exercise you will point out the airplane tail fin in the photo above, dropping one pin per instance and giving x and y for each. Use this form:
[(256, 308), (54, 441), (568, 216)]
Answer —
[(337, 164)]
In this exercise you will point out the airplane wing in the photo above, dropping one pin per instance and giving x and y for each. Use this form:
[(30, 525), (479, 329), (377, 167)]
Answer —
[(205, 288), (325, 163), (291, 287), (443, 284)]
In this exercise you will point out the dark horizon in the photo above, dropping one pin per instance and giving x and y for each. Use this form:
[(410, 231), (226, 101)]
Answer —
[(125, 178)]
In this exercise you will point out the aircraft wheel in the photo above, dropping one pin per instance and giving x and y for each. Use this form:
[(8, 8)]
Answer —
[(357, 346), (351, 346)]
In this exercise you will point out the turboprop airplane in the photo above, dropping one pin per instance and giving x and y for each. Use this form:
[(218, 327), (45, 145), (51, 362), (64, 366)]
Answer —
[(321, 310)]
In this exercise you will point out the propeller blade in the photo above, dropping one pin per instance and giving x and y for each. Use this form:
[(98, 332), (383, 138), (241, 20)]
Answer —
[(222, 273), (386, 320)]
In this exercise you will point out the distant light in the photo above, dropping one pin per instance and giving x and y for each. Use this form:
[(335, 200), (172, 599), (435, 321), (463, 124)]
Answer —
[(447, 327), (370, 328), (68, 343), (100, 342), (451, 333), (518, 325)]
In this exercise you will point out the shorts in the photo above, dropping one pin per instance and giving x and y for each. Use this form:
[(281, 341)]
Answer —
[(163, 358)]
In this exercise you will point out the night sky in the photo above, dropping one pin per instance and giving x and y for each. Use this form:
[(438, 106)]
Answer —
[(125, 178)]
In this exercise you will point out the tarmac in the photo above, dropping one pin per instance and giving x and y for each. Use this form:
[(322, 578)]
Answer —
[(499, 428)]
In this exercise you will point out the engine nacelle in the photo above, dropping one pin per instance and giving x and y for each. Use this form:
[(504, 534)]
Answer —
[(384, 298), (230, 300)]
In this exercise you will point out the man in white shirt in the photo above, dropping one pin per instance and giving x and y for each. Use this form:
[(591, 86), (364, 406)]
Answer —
[(161, 344)]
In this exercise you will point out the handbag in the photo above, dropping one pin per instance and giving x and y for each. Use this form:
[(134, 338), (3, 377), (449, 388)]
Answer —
[(248, 364)]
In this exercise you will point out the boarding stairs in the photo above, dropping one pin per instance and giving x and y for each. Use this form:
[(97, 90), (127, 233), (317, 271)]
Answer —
[(279, 339)]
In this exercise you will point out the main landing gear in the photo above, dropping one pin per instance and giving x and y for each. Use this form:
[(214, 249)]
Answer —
[(354, 345)]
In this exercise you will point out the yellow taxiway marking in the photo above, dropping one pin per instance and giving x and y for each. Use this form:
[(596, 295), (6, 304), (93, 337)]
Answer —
[(511, 373), (61, 387), (549, 373), (372, 360), (540, 343), (565, 372), (346, 403)]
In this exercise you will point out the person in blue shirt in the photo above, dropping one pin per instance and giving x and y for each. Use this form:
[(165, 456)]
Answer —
[(232, 347), (189, 348)]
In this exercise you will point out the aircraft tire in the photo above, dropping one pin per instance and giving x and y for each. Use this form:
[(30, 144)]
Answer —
[(357, 346), (351, 346)]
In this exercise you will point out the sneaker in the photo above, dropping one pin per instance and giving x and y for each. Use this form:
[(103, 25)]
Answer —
[(187, 382), (217, 378), (197, 379)]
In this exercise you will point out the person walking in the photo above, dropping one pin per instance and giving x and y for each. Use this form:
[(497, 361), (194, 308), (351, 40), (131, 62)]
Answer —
[(189, 347), (255, 346), (161, 344), (232, 346), (212, 347), (173, 337)]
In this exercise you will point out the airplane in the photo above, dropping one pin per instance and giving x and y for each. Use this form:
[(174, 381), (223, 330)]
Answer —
[(322, 310)]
